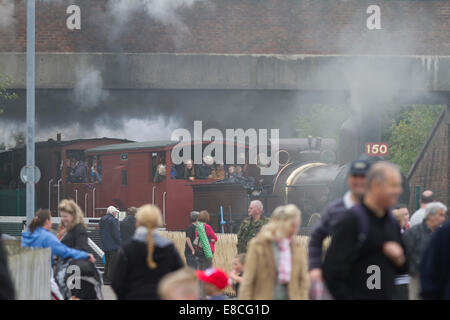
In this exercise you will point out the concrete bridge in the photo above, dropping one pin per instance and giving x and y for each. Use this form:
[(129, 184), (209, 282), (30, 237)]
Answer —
[(234, 71)]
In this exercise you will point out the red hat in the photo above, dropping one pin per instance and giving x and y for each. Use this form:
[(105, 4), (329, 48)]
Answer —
[(215, 276)]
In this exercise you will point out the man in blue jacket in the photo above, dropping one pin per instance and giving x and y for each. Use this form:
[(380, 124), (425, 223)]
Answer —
[(111, 241)]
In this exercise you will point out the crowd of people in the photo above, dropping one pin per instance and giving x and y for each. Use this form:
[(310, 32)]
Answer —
[(79, 171), (376, 251)]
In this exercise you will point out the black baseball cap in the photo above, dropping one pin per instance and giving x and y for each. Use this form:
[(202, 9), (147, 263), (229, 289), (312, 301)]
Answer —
[(359, 167)]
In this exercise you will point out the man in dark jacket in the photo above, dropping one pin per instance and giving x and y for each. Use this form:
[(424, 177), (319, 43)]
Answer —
[(356, 181), (128, 225), (435, 266), (6, 284), (79, 173), (110, 236), (362, 263), (189, 251), (416, 241)]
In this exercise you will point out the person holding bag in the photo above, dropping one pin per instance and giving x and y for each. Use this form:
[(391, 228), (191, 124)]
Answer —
[(204, 241)]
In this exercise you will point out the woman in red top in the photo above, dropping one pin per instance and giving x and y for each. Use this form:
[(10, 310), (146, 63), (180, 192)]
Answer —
[(203, 262)]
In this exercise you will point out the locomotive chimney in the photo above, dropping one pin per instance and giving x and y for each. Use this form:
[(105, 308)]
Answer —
[(58, 137), (318, 143)]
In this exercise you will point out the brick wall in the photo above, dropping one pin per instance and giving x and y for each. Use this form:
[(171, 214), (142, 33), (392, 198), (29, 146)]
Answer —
[(433, 168), (245, 26)]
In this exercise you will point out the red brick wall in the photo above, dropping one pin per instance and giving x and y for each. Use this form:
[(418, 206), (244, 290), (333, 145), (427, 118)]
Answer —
[(432, 169), (247, 26)]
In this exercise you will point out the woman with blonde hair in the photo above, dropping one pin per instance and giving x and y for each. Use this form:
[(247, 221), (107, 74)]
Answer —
[(74, 234), (276, 268), (145, 259)]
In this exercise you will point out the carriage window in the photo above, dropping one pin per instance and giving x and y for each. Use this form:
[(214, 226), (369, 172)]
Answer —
[(124, 177)]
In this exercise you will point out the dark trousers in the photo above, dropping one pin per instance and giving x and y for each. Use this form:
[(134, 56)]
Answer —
[(110, 263), (401, 292), (191, 261), (204, 263)]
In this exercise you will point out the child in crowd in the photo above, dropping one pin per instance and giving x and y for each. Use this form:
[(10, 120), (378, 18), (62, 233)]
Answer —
[(214, 281), (237, 272), (179, 285)]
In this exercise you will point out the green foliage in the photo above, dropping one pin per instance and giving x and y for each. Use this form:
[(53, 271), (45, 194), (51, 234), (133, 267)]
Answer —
[(404, 128), (409, 131), (320, 120), (5, 94)]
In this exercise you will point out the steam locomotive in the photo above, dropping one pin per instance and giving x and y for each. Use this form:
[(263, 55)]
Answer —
[(312, 172)]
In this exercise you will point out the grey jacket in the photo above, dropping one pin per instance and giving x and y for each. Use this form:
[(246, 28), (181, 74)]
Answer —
[(416, 240)]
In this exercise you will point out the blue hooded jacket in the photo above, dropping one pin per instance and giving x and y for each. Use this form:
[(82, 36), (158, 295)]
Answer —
[(42, 238)]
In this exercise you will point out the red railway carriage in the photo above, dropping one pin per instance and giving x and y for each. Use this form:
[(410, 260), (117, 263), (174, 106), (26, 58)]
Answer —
[(128, 175), (51, 156)]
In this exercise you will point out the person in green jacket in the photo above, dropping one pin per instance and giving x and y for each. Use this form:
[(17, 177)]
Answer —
[(250, 227)]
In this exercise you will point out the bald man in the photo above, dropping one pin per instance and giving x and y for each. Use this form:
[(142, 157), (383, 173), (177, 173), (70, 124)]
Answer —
[(366, 251), (418, 216)]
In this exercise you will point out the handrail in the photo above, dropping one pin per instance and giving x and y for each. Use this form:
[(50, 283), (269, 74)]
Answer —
[(59, 181), (96, 248), (93, 202), (85, 203), (164, 207), (50, 194), (153, 195), (76, 196)]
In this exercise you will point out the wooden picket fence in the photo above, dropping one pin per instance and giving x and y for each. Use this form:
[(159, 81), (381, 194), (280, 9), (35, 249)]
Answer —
[(30, 271)]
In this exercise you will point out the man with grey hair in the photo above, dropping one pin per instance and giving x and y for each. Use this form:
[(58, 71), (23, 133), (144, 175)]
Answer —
[(189, 251), (250, 227), (416, 241), (366, 251)]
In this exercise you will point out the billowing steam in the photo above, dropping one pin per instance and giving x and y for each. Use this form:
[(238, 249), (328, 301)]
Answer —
[(89, 87), (7, 13), (165, 12)]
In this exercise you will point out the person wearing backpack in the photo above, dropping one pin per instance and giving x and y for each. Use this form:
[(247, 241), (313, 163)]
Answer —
[(356, 181), (204, 241), (366, 251)]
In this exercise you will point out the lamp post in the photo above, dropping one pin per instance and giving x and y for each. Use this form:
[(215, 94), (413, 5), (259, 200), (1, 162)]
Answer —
[(30, 192)]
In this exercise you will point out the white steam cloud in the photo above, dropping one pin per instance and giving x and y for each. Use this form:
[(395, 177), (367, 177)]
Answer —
[(7, 13), (89, 90), (163, 11)]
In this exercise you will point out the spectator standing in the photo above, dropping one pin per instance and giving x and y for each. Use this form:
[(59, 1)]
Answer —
[(403, 210), (366, 251), (128, 225), (275, 267), (75, 230), (435, 266), (38, 235), (237, 272), (189, 251), (204, 241), (111, 241), (250, 227), (418, 216), (189, 171), (416, 241), (146, 259), (6, 283), (204, 171), (401, 281), (219, 172), (356, 181)]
